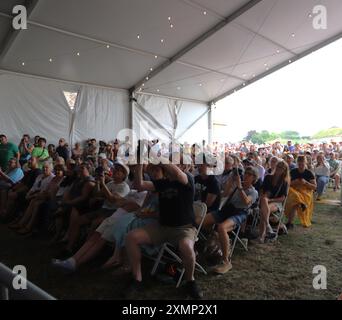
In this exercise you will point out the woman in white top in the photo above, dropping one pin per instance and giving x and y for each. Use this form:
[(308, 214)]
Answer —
[(322, 172)]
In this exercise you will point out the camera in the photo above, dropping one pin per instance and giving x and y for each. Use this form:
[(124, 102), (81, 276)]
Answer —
[(99, 172)]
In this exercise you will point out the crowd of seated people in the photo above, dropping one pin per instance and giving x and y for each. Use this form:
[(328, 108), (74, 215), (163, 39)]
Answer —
[(90, 197)]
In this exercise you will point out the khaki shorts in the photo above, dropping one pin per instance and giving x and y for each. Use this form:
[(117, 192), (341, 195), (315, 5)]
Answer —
[(160, 234)]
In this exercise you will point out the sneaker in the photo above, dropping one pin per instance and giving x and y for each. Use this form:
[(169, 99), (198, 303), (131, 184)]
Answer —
[(223, 268), (271, 235), (289, 226), (68, 265), (193, 290)]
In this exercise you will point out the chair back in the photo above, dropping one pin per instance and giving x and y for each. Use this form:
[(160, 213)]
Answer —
[(200, 211)]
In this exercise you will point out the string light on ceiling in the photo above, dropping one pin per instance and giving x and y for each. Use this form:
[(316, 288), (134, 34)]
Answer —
[(50, 60), (78, 54), (107, 46), (138, 36)]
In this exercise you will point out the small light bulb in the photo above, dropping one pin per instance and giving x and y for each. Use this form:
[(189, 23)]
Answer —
[(278, 51), (178, 88), (147, 78), (244, 84), (205, 12), (158, 90), (23, 63), (171, 25), (151, 69), (290, 61), (169, 18), (138, 36), (200, 84), (50, 59), (78, 54), (108, 46), (162, 40), (293, 35), (155, 57), (265, 64), (143, 84)]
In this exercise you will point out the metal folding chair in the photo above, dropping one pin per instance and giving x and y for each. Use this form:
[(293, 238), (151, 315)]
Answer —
[(200, 210), (280, 216)]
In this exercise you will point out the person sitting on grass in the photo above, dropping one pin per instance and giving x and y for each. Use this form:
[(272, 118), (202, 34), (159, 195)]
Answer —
[(274, 191), (240, 196), (29, 218), (301, 195), (322, 172), (176, 224)]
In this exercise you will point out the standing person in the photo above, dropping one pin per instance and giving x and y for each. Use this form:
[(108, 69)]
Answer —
[(25, 149), (176, 224), (8, 150), (40, 152), (62, 149)]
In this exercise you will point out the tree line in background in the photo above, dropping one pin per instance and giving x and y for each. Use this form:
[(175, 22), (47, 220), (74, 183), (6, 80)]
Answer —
[(265, 136)]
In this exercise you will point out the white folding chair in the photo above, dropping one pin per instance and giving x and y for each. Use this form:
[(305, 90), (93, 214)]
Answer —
[(200, 210), (280, 216)]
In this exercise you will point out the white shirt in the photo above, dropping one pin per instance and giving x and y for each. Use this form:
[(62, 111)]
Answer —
[(322, 170), (122, 189), (42, 182)]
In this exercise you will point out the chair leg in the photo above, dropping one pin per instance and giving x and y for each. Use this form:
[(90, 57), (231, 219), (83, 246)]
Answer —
[(236, 234), (200, 268), (180, 278), (156, 264)]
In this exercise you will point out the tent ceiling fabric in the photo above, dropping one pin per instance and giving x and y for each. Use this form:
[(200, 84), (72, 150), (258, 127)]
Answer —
[(263, 37)]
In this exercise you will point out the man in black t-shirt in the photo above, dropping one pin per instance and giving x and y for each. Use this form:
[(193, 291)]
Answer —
[(176, 223), (62, 149), (207, 188)]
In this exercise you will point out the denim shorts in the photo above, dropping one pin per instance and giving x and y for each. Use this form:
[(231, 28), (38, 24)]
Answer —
[(239, 218)]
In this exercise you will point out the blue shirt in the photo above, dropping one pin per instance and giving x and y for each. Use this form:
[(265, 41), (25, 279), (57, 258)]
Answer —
[(15, 175)]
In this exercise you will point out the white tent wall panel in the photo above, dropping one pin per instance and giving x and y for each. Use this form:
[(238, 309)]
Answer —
[(33, 106), (164, 118), (100, 113)]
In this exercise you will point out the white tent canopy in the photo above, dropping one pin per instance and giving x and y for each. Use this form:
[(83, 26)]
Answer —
[(191, 52)]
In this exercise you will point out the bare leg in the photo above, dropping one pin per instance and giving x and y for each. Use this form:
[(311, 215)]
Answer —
[(134, 239), (223, 229), (115, 260), (76, 221), (186, 248), (264, 217)]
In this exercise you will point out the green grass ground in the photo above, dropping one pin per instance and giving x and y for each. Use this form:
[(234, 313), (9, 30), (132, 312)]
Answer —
[(281, 270)]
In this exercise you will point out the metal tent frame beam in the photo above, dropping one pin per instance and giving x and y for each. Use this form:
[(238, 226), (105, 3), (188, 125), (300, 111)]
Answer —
[(198, 41), (7, 43), (278, 67)]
